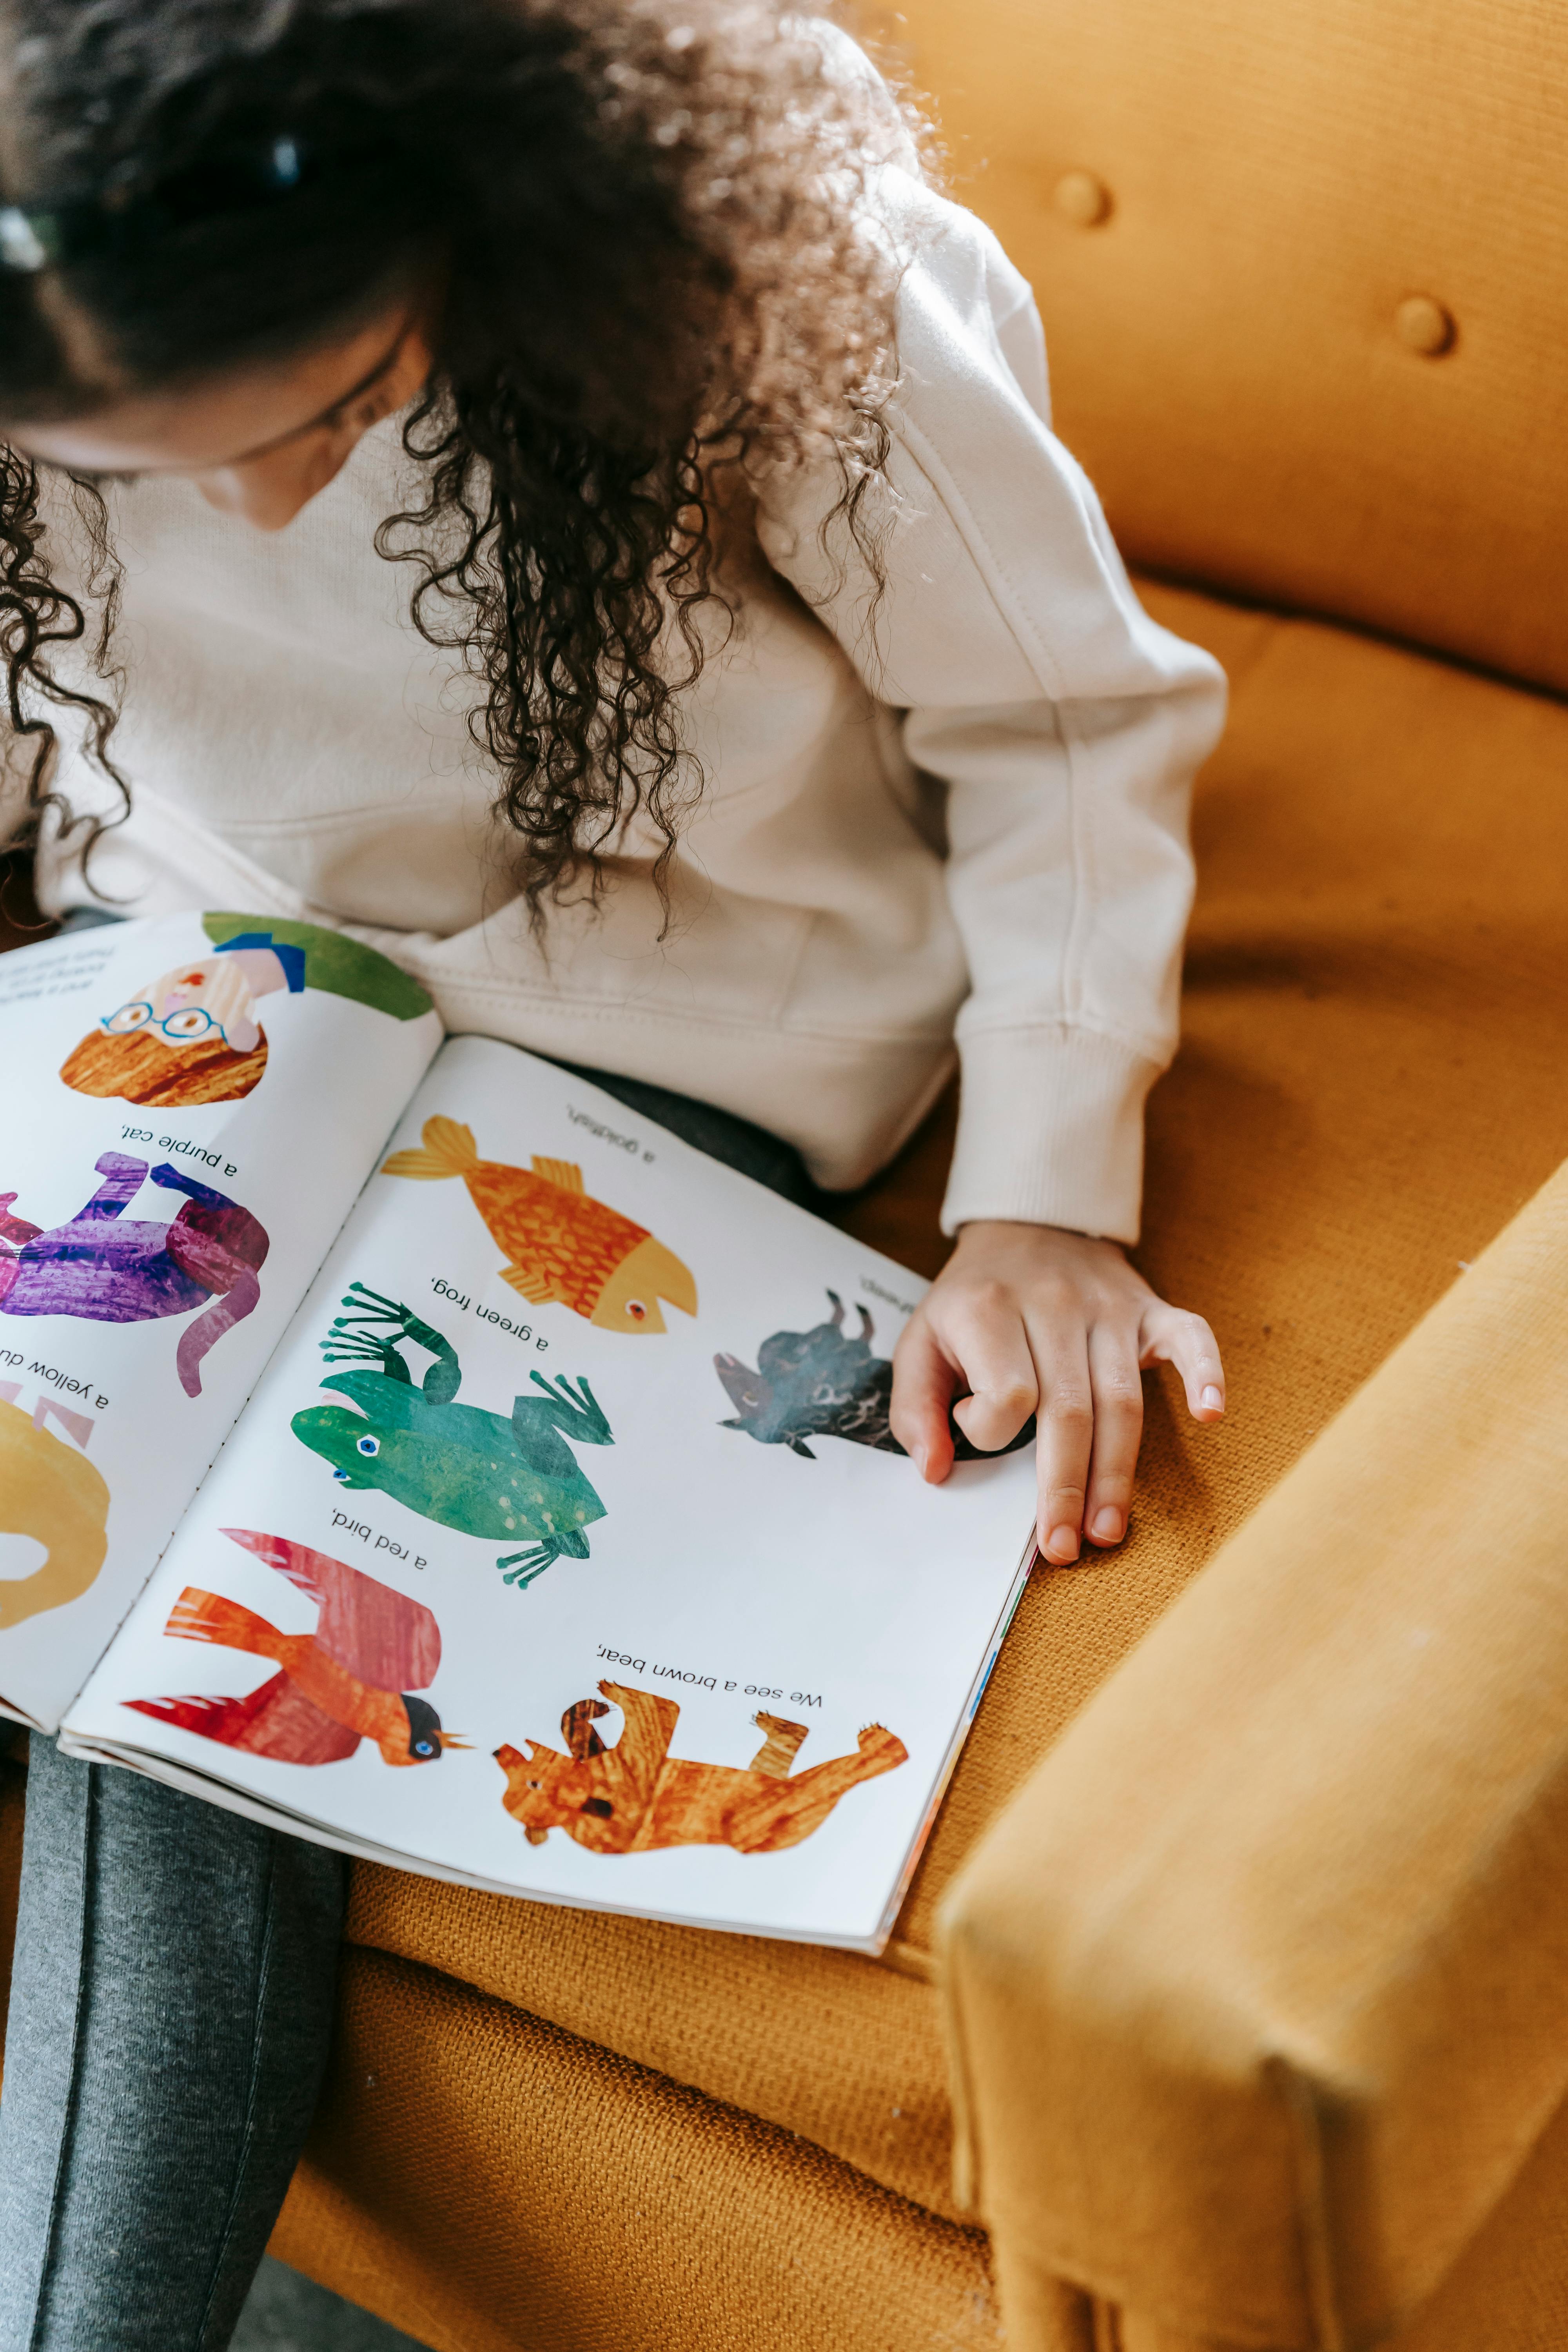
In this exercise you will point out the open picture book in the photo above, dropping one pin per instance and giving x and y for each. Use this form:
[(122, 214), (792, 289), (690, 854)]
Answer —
[(404, 1445)]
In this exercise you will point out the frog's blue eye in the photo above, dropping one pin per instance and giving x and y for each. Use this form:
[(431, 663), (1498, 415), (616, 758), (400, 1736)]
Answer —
[(422, 1747), (342, 1476), (369, 1445)]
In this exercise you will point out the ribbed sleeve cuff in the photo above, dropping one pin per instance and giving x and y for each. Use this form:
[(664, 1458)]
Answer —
[(1051, 1131)]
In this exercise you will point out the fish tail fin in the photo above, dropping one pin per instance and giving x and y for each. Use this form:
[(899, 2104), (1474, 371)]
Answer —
[(450, 1151), (199, 1616)]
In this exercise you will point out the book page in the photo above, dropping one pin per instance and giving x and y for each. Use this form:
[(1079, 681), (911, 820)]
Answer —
[(192, 1106), (564, 1549)]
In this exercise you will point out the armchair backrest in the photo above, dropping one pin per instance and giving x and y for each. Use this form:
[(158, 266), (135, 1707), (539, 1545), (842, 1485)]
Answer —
[(1303, 266)]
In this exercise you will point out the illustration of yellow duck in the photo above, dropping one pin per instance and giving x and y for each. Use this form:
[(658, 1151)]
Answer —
[(561, 1244), (52, 1493)]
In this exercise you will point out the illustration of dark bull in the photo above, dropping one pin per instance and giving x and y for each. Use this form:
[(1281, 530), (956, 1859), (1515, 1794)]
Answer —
[(822, 1383)]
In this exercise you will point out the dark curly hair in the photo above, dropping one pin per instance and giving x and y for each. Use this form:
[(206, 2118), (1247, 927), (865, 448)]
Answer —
[(641, 227)]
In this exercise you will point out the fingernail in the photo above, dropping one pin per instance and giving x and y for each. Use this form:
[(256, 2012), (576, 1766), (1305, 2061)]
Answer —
[(1063, 1545), (1212, 1400), (919, 1458), (1107, 1527)]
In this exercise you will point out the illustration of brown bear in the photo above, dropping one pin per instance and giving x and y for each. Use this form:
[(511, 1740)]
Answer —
[(635, 1796)]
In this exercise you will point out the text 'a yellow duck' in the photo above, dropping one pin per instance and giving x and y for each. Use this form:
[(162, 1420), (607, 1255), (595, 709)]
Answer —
[(561, 1244)]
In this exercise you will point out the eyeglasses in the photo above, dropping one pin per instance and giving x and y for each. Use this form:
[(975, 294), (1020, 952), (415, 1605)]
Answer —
[(185, 1026)]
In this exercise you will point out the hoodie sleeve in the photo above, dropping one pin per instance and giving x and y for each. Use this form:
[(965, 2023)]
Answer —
[(1064, 723)]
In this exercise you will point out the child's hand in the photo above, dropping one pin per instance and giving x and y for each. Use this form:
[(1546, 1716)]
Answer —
[(1028, 1318)]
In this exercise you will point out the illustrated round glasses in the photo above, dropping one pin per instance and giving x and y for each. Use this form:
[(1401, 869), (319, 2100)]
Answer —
[(184, 1026)]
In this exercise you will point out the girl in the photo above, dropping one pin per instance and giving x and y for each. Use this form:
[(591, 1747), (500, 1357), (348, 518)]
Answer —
[(666, 626)]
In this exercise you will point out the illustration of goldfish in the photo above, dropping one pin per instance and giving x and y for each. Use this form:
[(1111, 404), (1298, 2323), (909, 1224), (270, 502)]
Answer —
[(561, 1244)]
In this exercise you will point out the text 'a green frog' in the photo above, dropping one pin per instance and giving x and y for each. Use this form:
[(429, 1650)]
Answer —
[(481, 1474)]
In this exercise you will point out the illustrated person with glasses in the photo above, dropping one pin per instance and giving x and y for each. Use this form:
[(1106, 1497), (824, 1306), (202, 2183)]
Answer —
[(195, 1034)]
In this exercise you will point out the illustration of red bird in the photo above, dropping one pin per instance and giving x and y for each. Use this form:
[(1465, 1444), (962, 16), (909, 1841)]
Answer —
[(354, 1678)]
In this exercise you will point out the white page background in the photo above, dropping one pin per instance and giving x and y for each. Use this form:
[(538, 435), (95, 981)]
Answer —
[(844, 1578)]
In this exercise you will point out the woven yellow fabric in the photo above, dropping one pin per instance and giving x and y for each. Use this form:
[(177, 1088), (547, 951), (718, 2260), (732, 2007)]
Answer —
[(1509, 2291), (1247, 327), (826, 2043), (1258, 1988), (494, 2185)]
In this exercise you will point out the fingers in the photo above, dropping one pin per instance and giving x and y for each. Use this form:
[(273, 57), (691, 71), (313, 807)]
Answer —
[(1118, 1394), (1065, 1440), (923, 1383), (1027, 1319), (992, 1346), (1169, 1335)]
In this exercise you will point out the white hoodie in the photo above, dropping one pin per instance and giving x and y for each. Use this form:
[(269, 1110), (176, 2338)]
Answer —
[(966, 818)]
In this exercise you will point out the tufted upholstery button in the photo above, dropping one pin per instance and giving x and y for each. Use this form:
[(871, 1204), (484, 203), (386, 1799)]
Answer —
[(1422, 324), (1082, 199)]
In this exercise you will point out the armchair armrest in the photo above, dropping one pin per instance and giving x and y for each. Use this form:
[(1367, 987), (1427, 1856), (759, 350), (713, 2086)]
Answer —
[(1259, 1990)]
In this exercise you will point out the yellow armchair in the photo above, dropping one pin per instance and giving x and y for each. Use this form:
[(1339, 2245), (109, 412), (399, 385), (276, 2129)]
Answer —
[(1258, 1989)]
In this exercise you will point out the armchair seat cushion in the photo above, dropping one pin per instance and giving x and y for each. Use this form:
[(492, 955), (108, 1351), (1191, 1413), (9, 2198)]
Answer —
[(1370, 1086)]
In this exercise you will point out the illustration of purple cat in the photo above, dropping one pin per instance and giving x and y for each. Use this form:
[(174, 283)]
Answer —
[(111, 1269)]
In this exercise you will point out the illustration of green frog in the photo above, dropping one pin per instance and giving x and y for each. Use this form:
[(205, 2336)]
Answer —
[(477, 1471)]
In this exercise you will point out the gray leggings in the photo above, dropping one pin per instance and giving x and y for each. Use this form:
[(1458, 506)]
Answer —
[(171, 2009)]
